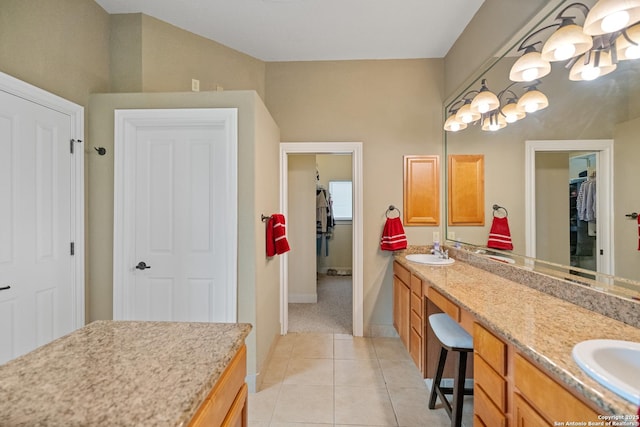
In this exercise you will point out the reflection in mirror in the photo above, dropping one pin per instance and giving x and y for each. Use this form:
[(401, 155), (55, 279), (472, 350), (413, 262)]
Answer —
[(606, 108)]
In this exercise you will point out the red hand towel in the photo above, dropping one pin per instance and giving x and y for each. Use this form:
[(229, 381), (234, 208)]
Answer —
[(276, 238), (639, 232), (393, 237), (500, 236)]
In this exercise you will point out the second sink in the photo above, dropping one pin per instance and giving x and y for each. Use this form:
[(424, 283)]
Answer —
[(430, 259), (613, 363)]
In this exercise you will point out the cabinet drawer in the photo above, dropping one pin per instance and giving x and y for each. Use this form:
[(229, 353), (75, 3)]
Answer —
[(415, 348), (445, 304), (490, 348), (416, 285), (402, 273), (493, 384), (220, 401), (547, 396), (526, 416), (416, 304), (416, 323), (237, 416), (486, 411), (477, 422)]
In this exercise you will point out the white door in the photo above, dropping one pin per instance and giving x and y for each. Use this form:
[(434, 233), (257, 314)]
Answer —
[(38, 281), (178, 191)]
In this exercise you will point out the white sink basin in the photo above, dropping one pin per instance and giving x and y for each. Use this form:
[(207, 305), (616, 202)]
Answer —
[(613, 363), (430, 259)]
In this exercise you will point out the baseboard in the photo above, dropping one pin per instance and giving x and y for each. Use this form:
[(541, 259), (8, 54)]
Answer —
[(251, 380), (303, 298), (336, 271), (382, 331)]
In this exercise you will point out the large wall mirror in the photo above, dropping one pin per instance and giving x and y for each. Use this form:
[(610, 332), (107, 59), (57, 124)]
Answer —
[(535, 167)]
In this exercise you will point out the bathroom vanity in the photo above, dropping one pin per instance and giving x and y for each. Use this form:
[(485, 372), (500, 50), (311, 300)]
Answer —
[(524, 373), (117, 373)]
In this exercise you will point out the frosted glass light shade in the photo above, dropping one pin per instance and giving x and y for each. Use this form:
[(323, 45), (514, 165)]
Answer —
[(484, 102), (494, 122), (511, 112), (453, 125), (626, 50), (529, 67), (532, 101), (608, 16), (566, 42), (465, 115), (581, 71)]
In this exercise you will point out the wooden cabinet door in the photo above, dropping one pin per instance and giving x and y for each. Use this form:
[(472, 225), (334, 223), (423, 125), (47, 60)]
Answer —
[(421, 190), (465, 187), (401, 310)]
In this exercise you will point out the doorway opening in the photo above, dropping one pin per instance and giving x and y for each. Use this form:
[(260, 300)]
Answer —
[(289, 154), (564, 223)]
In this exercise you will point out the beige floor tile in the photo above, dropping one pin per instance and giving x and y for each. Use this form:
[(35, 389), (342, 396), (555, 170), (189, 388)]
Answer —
[(390, 349), (275, 370), (343, 336), (309, 372), (401, 373), (363, 405), (301, 425), (313, 346), (284, 346), (304, 404), (358, 373), (411, 408), (263, 403), (356, 348)]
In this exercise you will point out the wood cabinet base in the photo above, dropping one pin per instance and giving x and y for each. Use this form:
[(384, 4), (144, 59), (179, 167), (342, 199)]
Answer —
[(226, 405)]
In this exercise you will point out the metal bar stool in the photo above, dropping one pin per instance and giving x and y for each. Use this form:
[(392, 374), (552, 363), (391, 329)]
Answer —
[(452, 338)]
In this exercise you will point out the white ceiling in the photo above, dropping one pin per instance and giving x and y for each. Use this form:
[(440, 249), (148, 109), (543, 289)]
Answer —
[(310, 30)]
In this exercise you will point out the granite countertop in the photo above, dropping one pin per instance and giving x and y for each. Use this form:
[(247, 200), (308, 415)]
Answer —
[(119, 373), (540, 326)]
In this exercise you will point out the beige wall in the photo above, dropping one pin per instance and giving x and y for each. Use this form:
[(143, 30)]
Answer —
[(149, 55), (336, 167), (552, 207), (258, 278), (394, 108), (59, 46), (265, 271), (302, 228), (626, 199)]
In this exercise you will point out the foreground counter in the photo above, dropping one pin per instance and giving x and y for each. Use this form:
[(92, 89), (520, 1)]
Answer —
[(121, 373)]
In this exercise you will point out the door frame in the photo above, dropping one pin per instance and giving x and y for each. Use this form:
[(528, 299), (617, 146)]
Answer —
[(604, 228), (75, 112), (126, 122), (355, 149)]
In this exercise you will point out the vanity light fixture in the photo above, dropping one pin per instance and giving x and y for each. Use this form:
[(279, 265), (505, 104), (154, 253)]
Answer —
[(569, 40), (510, 111), (592, 65), (529, 67), (493, 121), (533, 100), (608, 16), (628, 43), (485, 101), (452, 124), (464, 114)]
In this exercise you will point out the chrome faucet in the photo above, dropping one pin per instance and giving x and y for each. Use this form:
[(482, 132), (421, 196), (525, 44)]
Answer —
[(443, 254)]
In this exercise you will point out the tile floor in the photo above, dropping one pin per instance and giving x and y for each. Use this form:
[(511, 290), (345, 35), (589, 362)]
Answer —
[(320, 380)]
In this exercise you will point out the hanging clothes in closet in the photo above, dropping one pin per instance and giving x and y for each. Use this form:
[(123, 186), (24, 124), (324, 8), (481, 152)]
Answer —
[(586, 213), (324, 220)]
